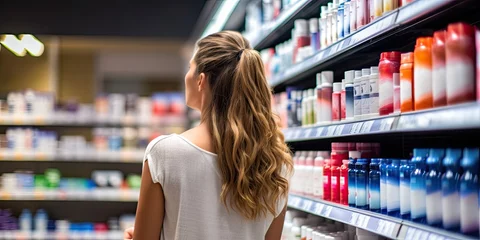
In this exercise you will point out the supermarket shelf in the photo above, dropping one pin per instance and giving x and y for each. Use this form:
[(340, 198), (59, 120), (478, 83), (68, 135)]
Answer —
[(270, 32), (123, 156), (66, 120), (457, 117), (380, 224), (381, 27), (12, 235), (95, 195)]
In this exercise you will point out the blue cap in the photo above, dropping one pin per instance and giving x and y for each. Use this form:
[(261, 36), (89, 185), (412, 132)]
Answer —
[(361, 161), (375, 161), (436, 154), (452, 156), (395, 161), (470, 157), (420, 152), (404, 162)]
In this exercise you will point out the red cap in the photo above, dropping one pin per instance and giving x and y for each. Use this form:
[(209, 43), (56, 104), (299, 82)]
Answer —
[(342, 147), (461, 28), (439, 37), (352, 146), (426, 41), (392, 56), (407, 57)]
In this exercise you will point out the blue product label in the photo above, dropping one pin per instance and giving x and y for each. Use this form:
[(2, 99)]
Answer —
[(469, 218), (349, 102), (393, 191), (346, 19), (383, 189), (417, 195), (340, 21), (351, 187), (450, 200), (315, 41), (374, 191), (361, 188), (404, 192), (434, 193)]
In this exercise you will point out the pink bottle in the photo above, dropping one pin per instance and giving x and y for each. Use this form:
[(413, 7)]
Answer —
[(343, 107), (302, 38), (477, 42), (336, 101), (327, 187), (326, 100), (460, 60), (339, 153), (362, 13), (439, 69), (344, 182), (389, 64)]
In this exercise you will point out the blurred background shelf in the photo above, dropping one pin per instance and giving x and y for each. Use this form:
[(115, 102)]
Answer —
[(94, 195), (88, 155), (19, 235)]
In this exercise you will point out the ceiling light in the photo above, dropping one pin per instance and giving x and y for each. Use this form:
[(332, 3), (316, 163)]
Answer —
[(32, 44), (12, 43), (221, 16)]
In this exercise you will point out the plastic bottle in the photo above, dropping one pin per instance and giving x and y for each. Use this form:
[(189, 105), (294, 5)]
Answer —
[(389, 64), (319, 98), (299, 97), (301, 172), (406, 82), (353, 16), (405, 171), (336, 101), (374, 185), (334, 21), (311, 106), (318, 176), (422, 73), (371, 11), (352, 189), (362, 13), (344, 182), (451, 190), (357, 100), (309, 161), (477, 44), (378, 6), (327, 80), (383, 185), (340, 13), (314, 34), (25, 221), (365, 86), (41, 221), (460, 60), (373, 91), (433, 184), (393, 188), (323, 27), (417, 186), (439, 69), (361, 182), (396, 92), (346, 18), (389, 5), (469, 192), (327, 173), (349, 95), (335, 180), (343, 102), (328, 24), (304, 115)]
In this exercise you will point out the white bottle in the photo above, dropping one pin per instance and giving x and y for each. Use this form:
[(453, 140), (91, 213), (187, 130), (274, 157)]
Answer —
[(349, 94), (304, 108), (373, 91), (318, 176), (329, 24), (311, 106), (365, 86), (334, 21), (353, 16), (309, 161), (346, 19), (301, 172), (357, 95), (318, 109), (323, 27), (295, 175), (327, 88)]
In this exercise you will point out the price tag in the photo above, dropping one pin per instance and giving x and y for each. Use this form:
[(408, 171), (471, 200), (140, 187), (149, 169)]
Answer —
[(388, 229), (424, 236), (319, 57), (298, 133), (365, 222), (331, 130), (318, 208), (346, 43), (328, 210), (356, 128), (307, 132), (37, 195), (354, 218), (5, 195), (360, 220), (307, 204), (386, 124), (296, 202), (339, 130), (18, 156), (319, 132), (313, 133), (381, 226), (410, 233), (367, 126)]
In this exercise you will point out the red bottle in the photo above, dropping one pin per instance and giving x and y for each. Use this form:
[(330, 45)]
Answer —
[(343, 99), (327, 172), (365, 150), (389, 64), (339, 153), (336, 105), (460, 62), (344, 183), (439, 89)]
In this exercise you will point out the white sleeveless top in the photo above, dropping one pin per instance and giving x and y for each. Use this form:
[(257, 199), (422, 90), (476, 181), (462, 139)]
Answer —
[(191, 184)]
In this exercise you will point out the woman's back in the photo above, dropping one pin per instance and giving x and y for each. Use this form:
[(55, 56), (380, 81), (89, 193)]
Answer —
[(192, 183)]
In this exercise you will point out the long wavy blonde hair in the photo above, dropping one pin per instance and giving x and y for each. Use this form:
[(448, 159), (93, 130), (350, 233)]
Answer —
[(254, 160)]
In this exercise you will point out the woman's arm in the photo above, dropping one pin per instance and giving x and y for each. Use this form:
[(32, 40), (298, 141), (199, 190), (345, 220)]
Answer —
[(150, 208), (275, 230)]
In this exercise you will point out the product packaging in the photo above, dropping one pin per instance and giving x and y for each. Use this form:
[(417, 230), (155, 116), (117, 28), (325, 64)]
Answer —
[(439, 69), (422, 73)]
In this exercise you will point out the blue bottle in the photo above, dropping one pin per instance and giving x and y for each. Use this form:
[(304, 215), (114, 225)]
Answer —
[(433, 185), (418, 192), (351, 182), (405, 171), (393, 188), (383, 185), (469, 192), (361, 181), (374, 185), (450, 189), (25, 221)]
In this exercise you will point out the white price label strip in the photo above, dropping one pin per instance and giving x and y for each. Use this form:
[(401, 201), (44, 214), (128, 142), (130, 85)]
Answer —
[(328, 211), (367, 126), (307, 204), (331, 130), (339, 130), (354, 218), (318, 208), (360, 220)]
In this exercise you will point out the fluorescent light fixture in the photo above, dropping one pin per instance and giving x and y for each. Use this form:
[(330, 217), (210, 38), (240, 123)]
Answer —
[(221, 16), (32, 45), (12, 43)]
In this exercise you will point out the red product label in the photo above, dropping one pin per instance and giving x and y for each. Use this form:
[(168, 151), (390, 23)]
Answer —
[(326, 183), (336, 107), (344, 185), (342, 105), (335, 179)]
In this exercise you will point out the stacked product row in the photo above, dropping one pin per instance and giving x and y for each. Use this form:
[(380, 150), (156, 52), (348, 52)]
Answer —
[(441, 71), (438, 187), (51, 179), (300, 226), (34, 105), (40, 223), (338, 19)]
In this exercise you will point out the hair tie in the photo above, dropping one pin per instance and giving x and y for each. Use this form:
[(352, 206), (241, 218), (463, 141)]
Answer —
[(239, 54)]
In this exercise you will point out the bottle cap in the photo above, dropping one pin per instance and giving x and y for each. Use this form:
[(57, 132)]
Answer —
[(436, 155), (337, 87), (373, 70), (420, 152), (460, 28), (365, 72), (313, 23), (392, 56), (343, 84), (349, 75), (311, 92), (452, 156), (404, 162), (425, 41), (358, 74), (374, 161), (407, 57), (439, 37), (335, 4), (323, 13), (330, 7), (395, 161), (319, 79), (470, 157), (301, 27), (327, 77)]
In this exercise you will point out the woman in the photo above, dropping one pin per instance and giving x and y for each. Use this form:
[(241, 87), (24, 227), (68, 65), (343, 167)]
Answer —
[(228, 177)]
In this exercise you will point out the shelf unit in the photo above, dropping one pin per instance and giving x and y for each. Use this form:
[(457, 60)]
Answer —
[(61, 235), (97, 195), (394, 228), (89, 155)]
